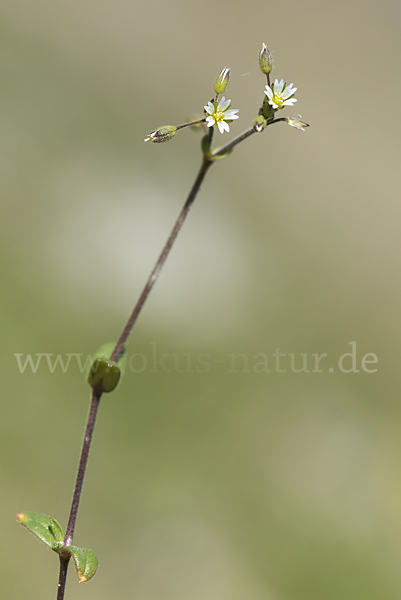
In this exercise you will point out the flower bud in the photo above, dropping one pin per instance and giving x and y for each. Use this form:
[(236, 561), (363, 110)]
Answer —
[(265, 60), (259, 124), (163, 134), (222, 81)]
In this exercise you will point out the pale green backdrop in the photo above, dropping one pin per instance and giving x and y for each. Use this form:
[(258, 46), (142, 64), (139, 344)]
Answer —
[(230, 483)]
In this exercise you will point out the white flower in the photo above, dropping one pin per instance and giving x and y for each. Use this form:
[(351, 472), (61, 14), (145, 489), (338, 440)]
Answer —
[(219, 114), (296, 122), (280, 94)]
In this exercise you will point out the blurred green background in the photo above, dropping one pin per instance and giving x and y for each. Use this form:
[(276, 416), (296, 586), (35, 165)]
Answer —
[(230, 483)]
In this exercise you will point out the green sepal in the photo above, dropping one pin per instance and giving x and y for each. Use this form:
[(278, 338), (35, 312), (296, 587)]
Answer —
[(86, 562), (222, 81), (162, 134), (266, 110), (265, 60), (46, 529)]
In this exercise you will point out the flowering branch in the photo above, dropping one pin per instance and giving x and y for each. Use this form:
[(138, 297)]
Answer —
[(105, 371)]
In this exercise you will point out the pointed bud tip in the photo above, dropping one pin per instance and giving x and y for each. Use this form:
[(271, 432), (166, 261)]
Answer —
[(162, 134), (222, 81), (265, 60)]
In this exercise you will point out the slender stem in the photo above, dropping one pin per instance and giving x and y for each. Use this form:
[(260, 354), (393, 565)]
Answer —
[(240, 138), (234, 142), (190, 124), (82, 466), (161, 260), (207, 161), (96, 396), (64, 560)]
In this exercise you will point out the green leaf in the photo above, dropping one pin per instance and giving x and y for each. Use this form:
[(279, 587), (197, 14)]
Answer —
[(86, 562), (104, 375), (45, 528), (49, 532)]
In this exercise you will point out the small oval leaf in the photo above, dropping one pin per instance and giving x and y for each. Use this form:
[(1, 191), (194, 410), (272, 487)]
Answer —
[(86, 562), (45, 528), (104, 375)]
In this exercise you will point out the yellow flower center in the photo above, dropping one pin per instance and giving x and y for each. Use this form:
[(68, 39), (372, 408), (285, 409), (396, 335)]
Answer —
[(218, 115), (278, 100)]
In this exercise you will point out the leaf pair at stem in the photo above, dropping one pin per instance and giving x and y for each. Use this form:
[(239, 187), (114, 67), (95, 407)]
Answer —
[(49, 531)]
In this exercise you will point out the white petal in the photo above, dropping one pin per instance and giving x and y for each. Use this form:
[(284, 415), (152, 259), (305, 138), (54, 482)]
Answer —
[(230, 114), (223, 126), (223, 104), (290, 102), (269, 92), (210, 121), (209, 108), (288, 92)]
